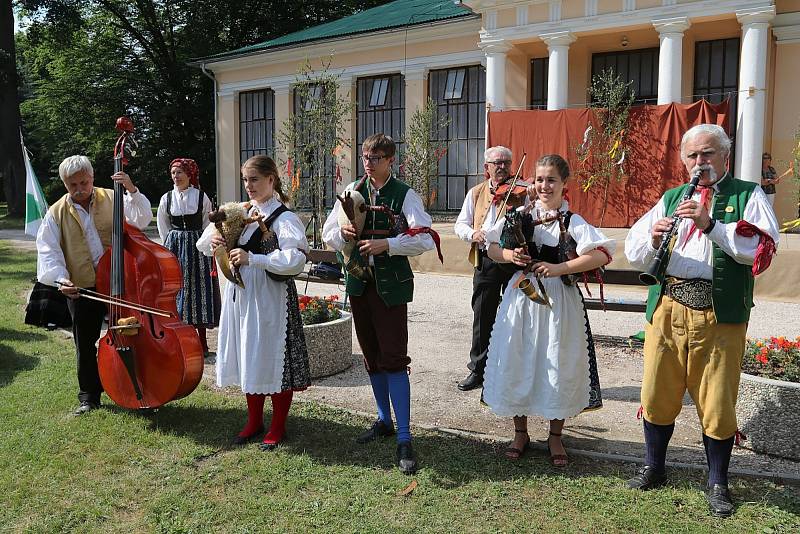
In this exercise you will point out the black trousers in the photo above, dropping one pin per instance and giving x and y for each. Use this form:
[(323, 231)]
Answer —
[(87, 319), (488, 283)]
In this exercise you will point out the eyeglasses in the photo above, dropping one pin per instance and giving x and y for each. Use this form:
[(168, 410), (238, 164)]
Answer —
[(499, 162), (372, 159)]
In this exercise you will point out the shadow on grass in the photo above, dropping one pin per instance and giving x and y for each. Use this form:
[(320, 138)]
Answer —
[(13, 362), (328, 436)]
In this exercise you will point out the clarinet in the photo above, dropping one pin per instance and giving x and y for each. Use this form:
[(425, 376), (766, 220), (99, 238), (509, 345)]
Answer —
[(649, 277)]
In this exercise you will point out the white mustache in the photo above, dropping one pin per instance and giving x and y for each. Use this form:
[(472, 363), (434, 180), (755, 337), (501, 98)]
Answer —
[(712, 174)]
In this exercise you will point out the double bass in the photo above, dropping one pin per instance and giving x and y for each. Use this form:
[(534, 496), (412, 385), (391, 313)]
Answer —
[(148, 356)]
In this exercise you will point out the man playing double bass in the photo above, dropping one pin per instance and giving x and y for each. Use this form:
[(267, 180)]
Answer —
[(73, 236), (481, 209)]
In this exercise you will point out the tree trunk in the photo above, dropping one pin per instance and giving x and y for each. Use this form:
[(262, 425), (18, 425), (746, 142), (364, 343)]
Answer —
[(12, 168)]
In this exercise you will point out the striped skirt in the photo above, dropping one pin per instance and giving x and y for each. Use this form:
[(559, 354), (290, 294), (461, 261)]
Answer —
[(198, 301)]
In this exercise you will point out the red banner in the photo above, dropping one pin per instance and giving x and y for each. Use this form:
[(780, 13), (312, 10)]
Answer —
[(652, 162)]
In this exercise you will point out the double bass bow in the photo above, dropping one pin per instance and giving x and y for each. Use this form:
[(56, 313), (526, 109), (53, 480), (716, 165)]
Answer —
[(148, 356)]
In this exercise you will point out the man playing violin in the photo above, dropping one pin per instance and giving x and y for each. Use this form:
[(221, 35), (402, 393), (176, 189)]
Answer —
[(72, 237), (482, 207)]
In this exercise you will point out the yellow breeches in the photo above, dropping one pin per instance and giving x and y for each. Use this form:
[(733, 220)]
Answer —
[(687, 349)]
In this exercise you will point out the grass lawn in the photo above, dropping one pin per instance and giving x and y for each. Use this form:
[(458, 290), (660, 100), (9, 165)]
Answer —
[(117, 471), (10, 223)]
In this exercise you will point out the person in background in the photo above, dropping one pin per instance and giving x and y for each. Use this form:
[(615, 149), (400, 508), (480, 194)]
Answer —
[(182, 216), (768, 177), (482, 208)]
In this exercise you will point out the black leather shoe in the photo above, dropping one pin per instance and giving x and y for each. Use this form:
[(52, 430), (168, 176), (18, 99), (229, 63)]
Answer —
[(86, 407), (646, 479), (473, 381), (379, 429), (406, 460), (719, 500), (241, 440)]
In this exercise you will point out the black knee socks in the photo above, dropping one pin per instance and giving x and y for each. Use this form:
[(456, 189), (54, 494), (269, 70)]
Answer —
[(656, 439), (718, 455)]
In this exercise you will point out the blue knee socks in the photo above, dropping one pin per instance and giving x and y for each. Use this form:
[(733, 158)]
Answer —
[(380, 390), (400, 391)]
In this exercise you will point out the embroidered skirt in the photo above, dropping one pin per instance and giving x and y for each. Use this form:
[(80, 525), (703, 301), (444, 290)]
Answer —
[(198, 300), (296, 370)]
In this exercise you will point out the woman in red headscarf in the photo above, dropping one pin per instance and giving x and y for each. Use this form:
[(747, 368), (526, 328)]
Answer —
[(182, 216)]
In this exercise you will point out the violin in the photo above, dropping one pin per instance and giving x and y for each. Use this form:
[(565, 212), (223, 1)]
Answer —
[(509, 191), (505, 189), (148, 356)]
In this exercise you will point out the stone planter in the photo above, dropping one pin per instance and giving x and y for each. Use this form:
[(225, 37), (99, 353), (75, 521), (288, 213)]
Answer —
[(768, 413), (330, 346)]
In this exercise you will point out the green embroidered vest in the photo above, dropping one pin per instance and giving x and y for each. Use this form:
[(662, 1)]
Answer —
[(732, 282), (393, 276)]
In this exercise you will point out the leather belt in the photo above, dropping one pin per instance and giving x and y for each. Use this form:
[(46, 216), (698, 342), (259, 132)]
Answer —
[(694, 293)]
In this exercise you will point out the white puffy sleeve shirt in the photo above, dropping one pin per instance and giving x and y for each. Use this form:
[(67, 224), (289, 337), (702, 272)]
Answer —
[(51, 266), (402, 245), (183, 203), (693, 259)]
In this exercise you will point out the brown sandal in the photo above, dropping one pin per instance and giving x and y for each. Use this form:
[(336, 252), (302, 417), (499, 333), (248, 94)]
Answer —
[(557, 460), (513, 453)]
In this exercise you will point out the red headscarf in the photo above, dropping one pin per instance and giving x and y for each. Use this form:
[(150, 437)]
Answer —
[(189, 167)]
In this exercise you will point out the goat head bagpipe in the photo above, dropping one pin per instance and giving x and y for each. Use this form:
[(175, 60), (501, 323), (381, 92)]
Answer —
[(518, 233), (354, 212), (230, 220)]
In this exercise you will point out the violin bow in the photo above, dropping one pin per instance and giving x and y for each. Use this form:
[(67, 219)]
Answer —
[(511, 187)]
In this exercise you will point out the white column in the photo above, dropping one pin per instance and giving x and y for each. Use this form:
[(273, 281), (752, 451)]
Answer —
[(558, 68), (670, 58), (752, 91), (495, 51)]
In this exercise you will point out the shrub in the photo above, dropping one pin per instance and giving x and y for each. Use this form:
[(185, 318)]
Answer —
[(775, 357)]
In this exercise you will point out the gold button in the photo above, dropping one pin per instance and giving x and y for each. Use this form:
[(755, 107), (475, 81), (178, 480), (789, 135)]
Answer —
[(728, 209)]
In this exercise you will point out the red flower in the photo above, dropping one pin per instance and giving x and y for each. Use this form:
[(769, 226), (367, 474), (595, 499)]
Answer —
[(762, 358)]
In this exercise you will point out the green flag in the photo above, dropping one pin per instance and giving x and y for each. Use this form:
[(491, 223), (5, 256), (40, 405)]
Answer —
[(35, 204)]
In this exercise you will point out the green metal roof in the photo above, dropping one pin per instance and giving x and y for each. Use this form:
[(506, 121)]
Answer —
[(397, 14)]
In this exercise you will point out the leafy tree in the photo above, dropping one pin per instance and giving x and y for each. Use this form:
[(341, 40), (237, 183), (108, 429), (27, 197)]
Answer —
[(85, 62), (311, 137), (423, 151)]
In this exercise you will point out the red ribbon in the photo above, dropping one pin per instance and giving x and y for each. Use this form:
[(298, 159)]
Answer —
[(705, 196), (433, 234), (766, 245)]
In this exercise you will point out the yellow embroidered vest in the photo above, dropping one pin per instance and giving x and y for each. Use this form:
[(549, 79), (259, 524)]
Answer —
[(73, 239)]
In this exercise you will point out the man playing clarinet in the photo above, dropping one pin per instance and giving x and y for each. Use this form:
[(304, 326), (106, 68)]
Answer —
[(697, 313)]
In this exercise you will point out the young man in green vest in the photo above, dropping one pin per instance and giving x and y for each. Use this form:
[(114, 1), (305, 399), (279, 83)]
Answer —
[(73, 236), (379, 299), (697, 314)]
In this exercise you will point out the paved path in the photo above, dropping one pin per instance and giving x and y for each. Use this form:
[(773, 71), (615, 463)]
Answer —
[(439, 336)]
